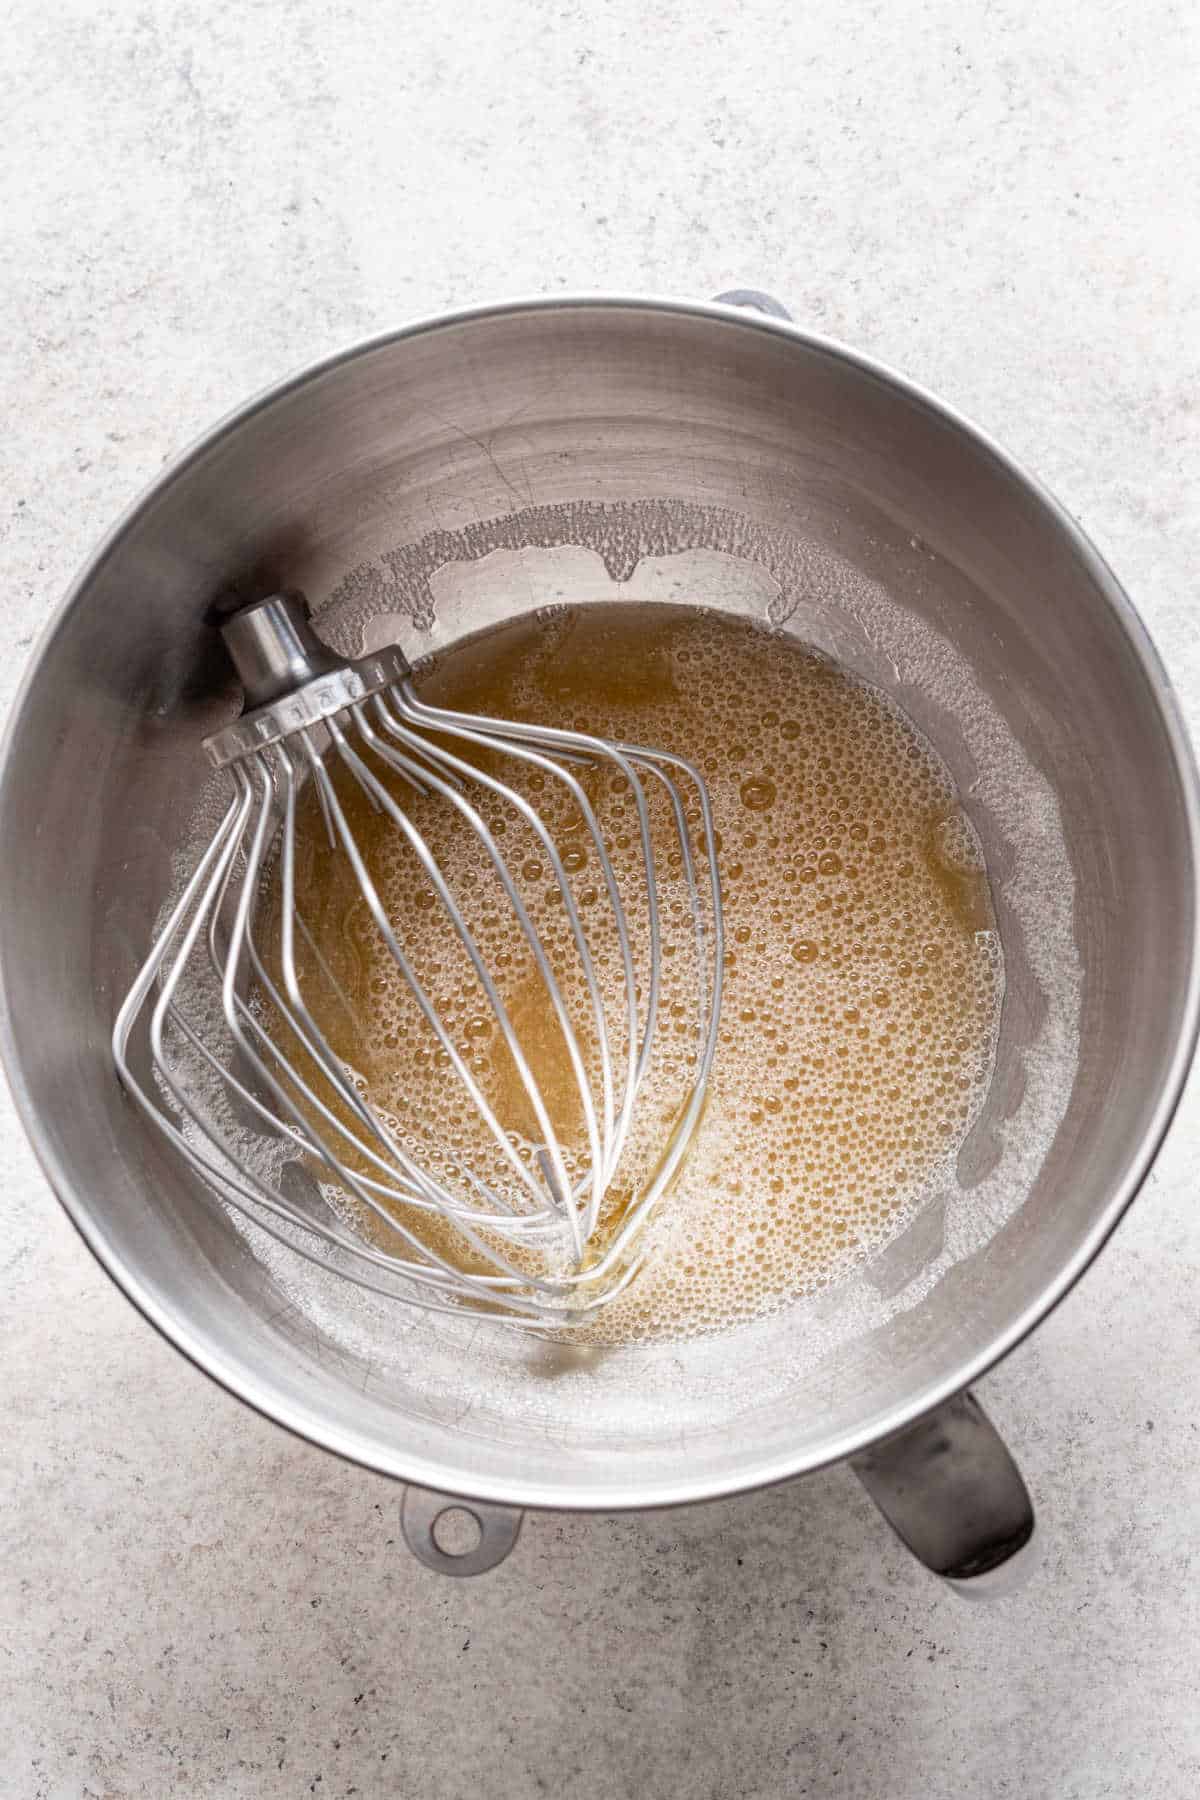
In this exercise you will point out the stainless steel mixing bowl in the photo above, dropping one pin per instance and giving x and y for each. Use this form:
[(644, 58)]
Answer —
[(511, 412)]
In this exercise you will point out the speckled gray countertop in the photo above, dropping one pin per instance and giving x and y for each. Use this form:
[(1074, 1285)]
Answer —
[(999, 200)]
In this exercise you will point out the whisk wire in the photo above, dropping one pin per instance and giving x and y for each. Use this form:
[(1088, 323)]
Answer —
[(551, 1143)]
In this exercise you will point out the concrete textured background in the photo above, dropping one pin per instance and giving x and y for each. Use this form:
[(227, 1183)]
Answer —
[(999, 199)]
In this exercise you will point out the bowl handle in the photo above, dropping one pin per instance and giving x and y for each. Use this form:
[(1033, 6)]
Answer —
[(947, 1486), (952, 1493)]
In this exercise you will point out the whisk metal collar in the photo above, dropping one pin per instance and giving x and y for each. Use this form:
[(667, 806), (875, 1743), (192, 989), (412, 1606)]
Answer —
[(290, 679)]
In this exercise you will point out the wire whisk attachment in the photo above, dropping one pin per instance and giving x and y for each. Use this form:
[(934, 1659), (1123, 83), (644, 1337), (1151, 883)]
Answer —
[(515, 1184)]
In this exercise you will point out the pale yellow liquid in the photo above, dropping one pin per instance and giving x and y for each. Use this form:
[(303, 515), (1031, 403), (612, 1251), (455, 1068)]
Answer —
[(863, 971)]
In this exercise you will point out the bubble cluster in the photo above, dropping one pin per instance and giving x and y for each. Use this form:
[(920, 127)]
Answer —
[(863, 969)]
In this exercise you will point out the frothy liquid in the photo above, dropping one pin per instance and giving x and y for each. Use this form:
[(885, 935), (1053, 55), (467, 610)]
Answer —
[(863, 968)]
